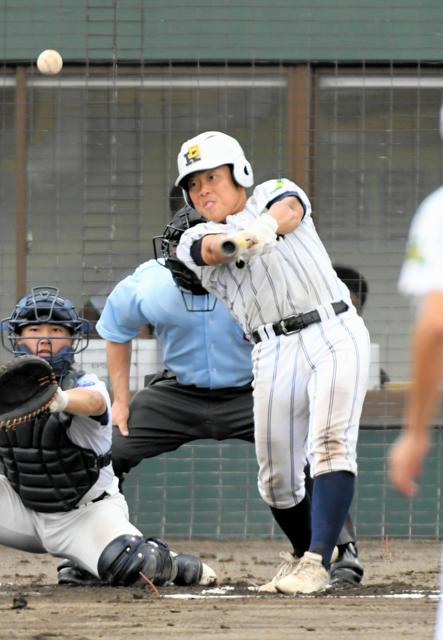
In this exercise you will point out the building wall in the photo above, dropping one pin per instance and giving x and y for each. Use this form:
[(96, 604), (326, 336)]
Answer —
[(244, 30)]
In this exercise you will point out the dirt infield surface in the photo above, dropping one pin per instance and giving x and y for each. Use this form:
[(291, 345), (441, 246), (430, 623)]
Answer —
[(397, 601)]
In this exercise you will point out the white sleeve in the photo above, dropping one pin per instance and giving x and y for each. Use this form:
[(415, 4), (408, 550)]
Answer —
[(422, 270), (91, 381), (265, 193)]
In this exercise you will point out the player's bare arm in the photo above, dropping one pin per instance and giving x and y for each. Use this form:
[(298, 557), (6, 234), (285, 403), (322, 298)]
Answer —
[(283, 217), (119, 361), (408, 453), (212, 252), (259, 237), (428, 363), (288, 214), (79, 402)]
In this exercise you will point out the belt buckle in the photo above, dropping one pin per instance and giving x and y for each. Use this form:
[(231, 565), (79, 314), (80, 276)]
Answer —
[(286, 332)]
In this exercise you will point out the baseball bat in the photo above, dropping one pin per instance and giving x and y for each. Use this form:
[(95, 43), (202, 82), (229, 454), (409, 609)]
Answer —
[(232, 246)]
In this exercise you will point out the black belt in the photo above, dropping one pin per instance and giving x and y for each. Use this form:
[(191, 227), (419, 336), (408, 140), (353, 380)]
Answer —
[(103, 495), (294, 324)]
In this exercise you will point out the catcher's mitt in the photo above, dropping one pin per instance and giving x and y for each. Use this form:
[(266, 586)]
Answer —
[(27, 387)]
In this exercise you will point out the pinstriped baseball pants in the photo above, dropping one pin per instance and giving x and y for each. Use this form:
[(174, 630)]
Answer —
[(309, 389)]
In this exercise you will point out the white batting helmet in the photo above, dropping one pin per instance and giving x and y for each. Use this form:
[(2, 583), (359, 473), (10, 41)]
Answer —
[(209, 150)]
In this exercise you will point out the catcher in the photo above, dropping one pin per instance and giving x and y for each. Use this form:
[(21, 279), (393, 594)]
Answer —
[(59, 494)]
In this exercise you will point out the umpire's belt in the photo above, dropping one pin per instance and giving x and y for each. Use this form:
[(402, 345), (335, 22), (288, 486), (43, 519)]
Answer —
[(294, 324)]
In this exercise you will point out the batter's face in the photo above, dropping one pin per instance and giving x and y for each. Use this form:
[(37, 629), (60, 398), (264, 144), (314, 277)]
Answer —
[(45, 340), (215, 195)]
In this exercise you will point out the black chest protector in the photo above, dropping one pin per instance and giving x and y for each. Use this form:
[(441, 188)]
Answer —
[(48, 471)]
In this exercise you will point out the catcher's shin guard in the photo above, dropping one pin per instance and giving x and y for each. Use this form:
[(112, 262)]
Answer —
[(347, 568), (122, 561), (191, 570), (69, 573)]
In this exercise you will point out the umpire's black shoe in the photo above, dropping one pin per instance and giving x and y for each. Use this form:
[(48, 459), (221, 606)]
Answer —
[(70, 574), (191, 570), (347, 569)]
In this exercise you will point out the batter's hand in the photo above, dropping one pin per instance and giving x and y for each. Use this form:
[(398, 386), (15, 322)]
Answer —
[(406, 458), (120, 415), (260, 237)]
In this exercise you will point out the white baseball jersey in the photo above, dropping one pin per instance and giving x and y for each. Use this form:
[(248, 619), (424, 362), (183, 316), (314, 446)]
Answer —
[(294, 278), (80, 534), (309, 386), (422, 270), (91, 434)]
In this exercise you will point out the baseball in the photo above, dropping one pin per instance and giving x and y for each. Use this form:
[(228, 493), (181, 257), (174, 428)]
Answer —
[(49, 62)]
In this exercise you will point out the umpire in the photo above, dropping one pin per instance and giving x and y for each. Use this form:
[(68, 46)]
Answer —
[(205, 391)]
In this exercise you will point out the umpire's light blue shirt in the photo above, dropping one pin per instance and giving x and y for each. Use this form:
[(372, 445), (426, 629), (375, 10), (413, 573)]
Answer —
[(202, 348)]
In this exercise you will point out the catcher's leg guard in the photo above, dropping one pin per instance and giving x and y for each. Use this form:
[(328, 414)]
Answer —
[(71, 574), (347, 568), (125, 557), (191, 570)]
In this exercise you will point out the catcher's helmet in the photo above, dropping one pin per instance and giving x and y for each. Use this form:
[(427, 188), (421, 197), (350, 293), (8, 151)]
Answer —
[(44, 305), (209, 150), (184, 278)]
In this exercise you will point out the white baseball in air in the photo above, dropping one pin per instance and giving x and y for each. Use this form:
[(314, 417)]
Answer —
[(49, 62)]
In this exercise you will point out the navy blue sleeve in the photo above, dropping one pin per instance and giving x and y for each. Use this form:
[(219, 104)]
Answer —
[(196, 252), (102, 419)]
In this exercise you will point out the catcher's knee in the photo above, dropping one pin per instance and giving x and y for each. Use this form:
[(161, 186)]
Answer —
[(126, 557)]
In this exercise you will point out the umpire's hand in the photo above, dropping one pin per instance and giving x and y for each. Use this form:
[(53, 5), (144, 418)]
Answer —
[(120, 414)]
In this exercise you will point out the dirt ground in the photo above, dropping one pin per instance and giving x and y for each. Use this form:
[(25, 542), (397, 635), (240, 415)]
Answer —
[(398, 599)]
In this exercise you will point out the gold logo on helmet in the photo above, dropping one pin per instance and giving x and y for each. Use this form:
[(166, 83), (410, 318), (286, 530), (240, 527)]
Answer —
[(192, 155)]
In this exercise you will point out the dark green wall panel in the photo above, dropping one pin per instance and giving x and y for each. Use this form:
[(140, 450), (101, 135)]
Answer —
[(210, 490), (246, 30)]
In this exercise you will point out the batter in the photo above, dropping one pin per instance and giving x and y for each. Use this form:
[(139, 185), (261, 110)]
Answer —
[(311, 348)]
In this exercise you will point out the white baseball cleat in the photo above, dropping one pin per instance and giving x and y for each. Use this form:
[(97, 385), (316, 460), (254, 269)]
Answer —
[(309, 576), (289, 562)]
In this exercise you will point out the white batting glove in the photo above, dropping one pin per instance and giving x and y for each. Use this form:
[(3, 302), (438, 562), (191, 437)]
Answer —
[(262, 234), (265, 229), (60, 401)]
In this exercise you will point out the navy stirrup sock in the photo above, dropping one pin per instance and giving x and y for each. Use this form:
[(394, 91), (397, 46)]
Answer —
[(296, 524), (331, 500)]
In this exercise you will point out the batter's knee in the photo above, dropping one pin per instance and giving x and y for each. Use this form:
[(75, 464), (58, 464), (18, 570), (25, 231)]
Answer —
[(126, 557), (278, 492), (321, 464)]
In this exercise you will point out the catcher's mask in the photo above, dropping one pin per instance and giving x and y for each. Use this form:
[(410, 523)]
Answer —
[(209, 150), (165, 246), (44, 305)]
